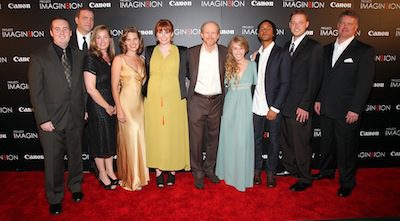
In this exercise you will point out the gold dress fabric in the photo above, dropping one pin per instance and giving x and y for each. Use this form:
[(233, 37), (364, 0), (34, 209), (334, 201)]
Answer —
[(166, 122), (131, 150)]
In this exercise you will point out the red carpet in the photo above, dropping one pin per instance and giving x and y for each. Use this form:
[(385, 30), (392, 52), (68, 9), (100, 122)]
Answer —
[(376, 196)]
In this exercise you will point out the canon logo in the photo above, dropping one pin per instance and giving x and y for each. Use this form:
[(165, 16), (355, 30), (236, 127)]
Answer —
[(9, 157), (18, 59), (3, 136), (140, 4), (395, 154), (310, 32), (262, 3), (227, 32), (33, 157), (223, 3), (19, 6), (380, 85), (369, 133), (180, 3), (25, 109), (340, 5), (395, 83), (377, 6), (303, 4), (392, 131), (371, 155), (378, 33), (44, 4), (100, 5), (6, 110)]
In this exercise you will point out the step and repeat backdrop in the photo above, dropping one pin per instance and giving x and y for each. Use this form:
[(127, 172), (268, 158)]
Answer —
[(25, 28)]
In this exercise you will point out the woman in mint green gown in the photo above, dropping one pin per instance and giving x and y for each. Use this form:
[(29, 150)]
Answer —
[(235, 158)]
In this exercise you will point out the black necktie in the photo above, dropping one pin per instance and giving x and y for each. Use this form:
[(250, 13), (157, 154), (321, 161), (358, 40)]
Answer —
[(67, 67), (291, 49), (84, 45)]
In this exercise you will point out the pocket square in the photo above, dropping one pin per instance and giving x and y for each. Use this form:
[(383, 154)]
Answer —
[(348, 60)]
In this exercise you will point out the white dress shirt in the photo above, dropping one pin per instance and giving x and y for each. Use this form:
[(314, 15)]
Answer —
[(260, 104), (339, 48), (208, 79), (297, 41), (79, 38)]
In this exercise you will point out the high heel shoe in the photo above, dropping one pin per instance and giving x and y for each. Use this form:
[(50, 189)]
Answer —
[(170, 179), (114, 182), (160, 181), (110, 186)]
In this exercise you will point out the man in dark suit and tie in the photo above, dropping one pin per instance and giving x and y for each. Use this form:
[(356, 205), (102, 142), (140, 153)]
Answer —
[(348, 77), (84, 20), (273, 68), (205, 101), (305, 79), (57, 95)]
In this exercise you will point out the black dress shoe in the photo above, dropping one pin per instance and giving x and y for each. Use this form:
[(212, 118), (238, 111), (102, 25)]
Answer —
[(271, 181), (77, 197), (213, 178), (170, 179), (284, 173), (55, 209), (319, 176), (160, 181), (300, 186), (198, 183), (344, 191), (257, 179)]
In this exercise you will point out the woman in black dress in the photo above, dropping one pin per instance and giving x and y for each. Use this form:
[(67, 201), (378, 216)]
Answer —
[(100, 105)]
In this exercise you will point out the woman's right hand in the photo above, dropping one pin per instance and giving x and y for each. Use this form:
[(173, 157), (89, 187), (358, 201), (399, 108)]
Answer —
[(121, 116)]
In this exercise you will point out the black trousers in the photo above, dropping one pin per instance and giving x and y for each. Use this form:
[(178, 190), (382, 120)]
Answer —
[(296, 148), (274, 130), (339, 140), (54, 145)]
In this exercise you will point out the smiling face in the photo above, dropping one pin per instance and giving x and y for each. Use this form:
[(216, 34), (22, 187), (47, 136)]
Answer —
[(238, 51), (298, 25), (102, 39), (132, 42), (210, 34), (347, 27), (60, 32), (164, 37)]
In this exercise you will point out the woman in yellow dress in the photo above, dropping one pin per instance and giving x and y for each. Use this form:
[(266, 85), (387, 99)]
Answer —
[(127, 77), (166, 122)]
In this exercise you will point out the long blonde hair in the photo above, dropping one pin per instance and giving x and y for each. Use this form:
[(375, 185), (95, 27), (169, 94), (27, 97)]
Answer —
[(93, 47), (231, 65)]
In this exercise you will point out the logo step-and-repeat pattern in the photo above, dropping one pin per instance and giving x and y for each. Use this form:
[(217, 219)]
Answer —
[(24, 28)]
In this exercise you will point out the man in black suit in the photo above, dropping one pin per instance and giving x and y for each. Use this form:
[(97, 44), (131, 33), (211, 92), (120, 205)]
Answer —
[(205, 101), (57, 95), (273, 67), (305, 80), (84, 20), (348, 77)]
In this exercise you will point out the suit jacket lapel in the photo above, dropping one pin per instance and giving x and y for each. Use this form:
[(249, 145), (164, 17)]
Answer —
[(300, 47), (270, 62), (344, 54)]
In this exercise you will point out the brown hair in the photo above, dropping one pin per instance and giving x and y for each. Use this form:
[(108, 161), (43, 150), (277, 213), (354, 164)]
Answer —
[(163, 25), (124, 35), (93, 47)]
